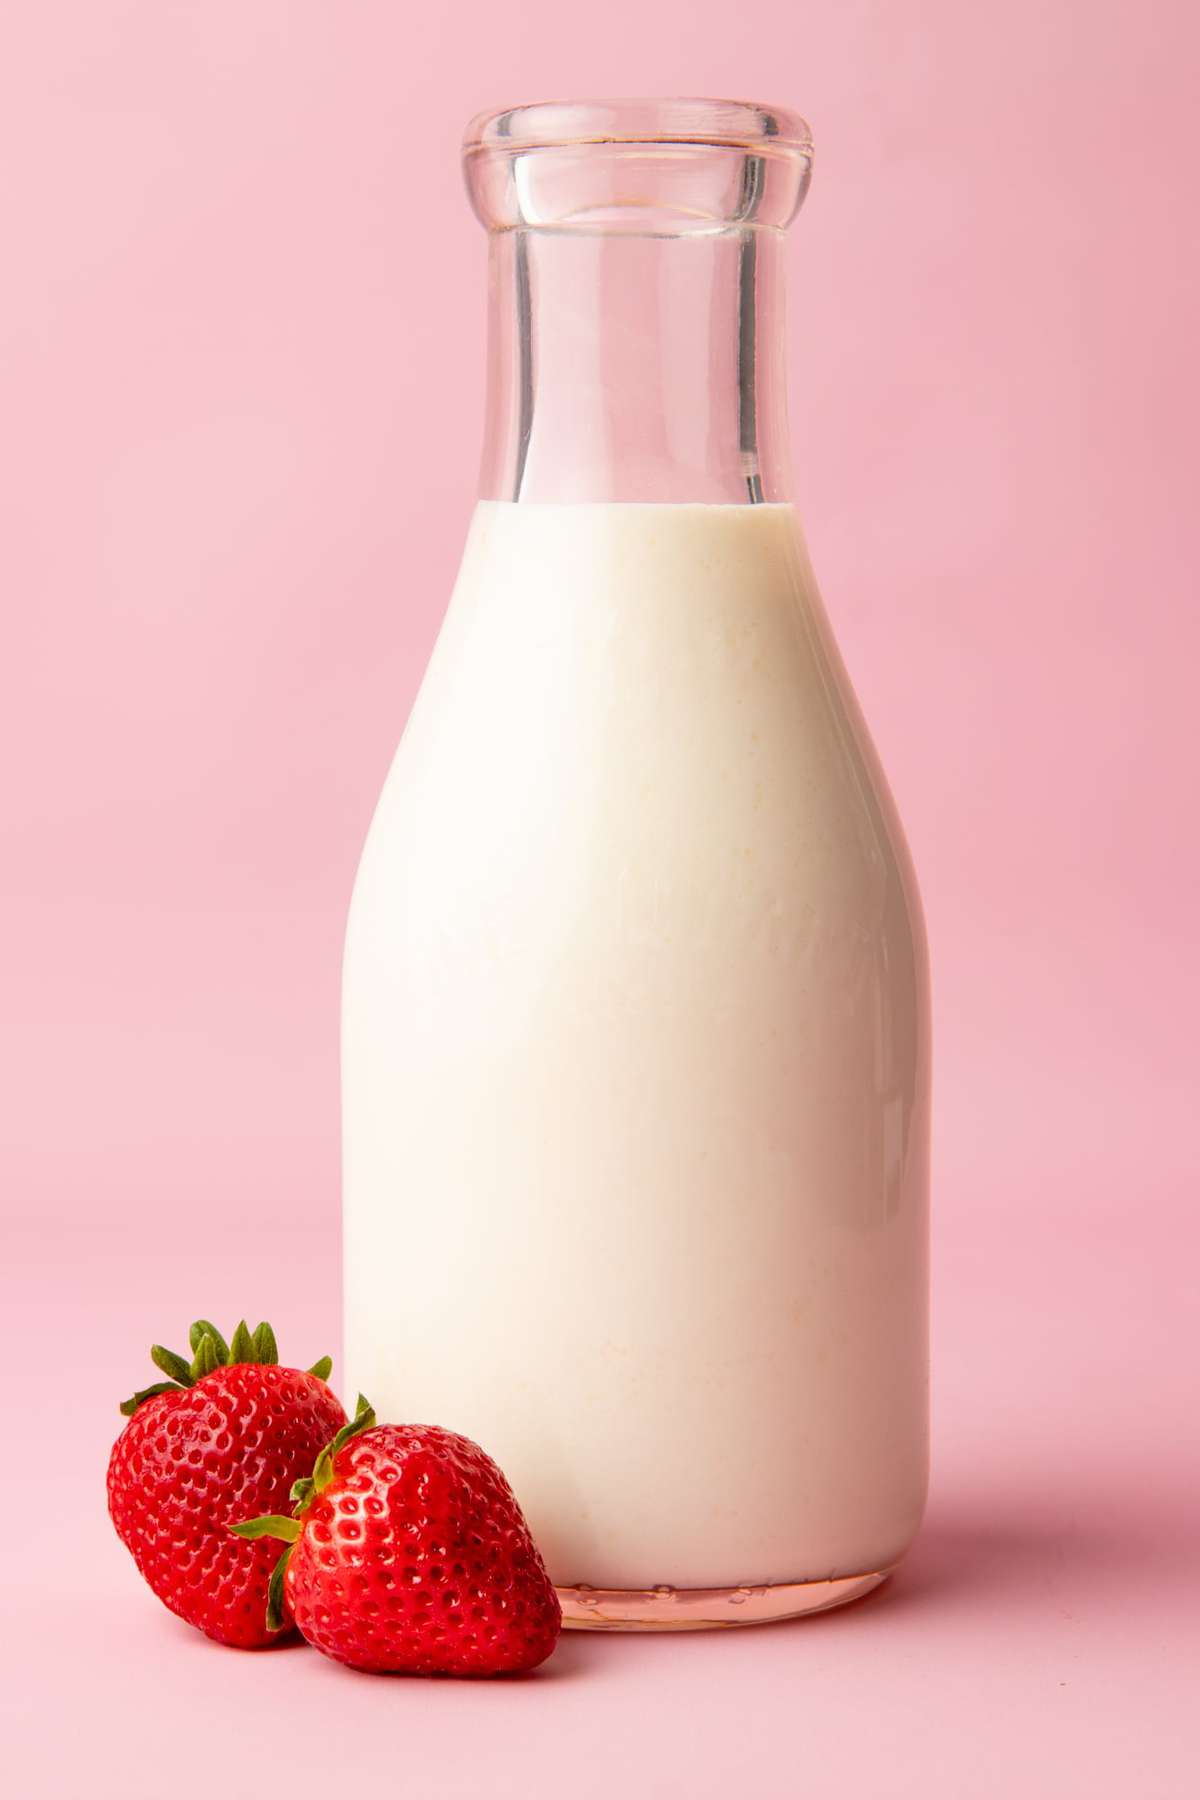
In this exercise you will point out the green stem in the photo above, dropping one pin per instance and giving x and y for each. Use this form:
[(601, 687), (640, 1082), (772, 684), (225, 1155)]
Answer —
[(210, 1352)]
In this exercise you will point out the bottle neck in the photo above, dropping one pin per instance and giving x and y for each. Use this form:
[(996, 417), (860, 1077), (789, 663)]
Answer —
[(628, 367)]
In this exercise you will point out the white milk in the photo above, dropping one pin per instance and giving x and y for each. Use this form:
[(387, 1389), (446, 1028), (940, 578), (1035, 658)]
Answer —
[(636, 1063)]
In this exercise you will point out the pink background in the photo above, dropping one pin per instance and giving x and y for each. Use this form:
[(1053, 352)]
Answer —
[(240, 385)]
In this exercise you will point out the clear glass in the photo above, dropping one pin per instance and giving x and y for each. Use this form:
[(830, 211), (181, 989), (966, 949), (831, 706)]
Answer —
[(635, 287), (635, 1014)]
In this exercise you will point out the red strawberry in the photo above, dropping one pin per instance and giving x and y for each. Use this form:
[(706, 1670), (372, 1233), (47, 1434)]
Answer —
[(230, 1432), (408, 1553)]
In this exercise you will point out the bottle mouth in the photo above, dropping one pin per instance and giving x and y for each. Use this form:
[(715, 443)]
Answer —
[(665, 167)]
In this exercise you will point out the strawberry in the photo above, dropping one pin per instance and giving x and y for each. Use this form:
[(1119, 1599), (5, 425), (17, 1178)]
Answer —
[(229, 1431), (408, 1553)]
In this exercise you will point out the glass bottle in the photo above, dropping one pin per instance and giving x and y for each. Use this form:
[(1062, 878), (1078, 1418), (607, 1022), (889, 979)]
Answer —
[(635, 1020)]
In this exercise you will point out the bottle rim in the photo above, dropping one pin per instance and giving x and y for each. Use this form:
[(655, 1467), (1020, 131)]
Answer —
[(659, 168), (705, 123)]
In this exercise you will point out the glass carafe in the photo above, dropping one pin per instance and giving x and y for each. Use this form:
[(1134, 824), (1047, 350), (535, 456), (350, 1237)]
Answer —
[(635, 1021)]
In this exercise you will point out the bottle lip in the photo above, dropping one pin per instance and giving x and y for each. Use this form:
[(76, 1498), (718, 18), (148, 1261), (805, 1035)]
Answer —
[(557, 124), (660, 168)]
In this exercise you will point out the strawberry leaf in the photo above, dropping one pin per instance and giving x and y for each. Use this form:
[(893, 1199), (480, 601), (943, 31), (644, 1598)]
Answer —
[(302, 1493), (171, 1365), (206, 1359), (276, 1617), (363, 1420), (130, 1406), (199, 1330), (276, 1525), (209, 1352)]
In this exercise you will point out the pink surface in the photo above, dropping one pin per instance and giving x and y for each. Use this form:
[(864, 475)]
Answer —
[(241, 374)]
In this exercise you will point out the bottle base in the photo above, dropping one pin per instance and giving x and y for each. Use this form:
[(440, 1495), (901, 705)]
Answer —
[(707, 1609)]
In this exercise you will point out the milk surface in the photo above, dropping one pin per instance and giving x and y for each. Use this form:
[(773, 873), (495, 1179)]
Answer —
[(635, 1059)]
